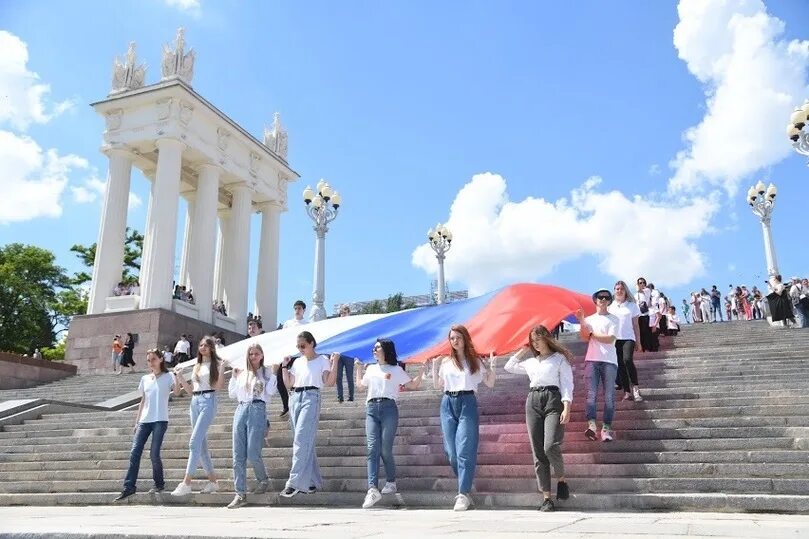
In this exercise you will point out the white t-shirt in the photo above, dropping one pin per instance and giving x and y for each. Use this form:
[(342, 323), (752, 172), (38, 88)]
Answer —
[(309, 372), (294, 322), (554, 370), (182, 347), (644, 296), (155, 393), (625, 312), (202, 381), (603, 324), (378, 386), (167, 356), (456, 379), (248, 387)]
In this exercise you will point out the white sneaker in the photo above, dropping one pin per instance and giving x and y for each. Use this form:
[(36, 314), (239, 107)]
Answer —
[(210, 487), (237, 502), (606, 435), (636, 394), (371, 498), (181, 490), (462, 502), (389, 488)]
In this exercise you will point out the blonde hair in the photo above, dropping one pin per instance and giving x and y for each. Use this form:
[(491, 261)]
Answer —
[(250, 370)]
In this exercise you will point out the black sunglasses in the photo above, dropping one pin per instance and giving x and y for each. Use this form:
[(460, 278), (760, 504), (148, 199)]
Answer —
[(605, 298)]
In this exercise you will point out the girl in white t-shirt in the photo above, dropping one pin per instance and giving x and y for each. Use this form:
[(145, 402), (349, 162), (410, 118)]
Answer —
[(383, 381), (459, 375), (627, 340), (152, 419), (304, 378), (206, 380), (252, 385)]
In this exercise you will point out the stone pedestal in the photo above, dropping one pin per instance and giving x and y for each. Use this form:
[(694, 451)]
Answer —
[(89, 343)]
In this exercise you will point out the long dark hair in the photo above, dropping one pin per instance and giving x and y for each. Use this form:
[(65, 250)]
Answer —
[(543, 333), (308, 337), (389, 351), (472, 357), (214, 369)]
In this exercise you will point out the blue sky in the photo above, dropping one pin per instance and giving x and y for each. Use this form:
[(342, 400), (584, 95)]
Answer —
[(400, 104)]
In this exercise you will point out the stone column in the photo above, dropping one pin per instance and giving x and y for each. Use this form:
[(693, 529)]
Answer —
[(160, 238), (188, 235), (237, 242), (202, 257), (221, 255), (267, 279), (109, 260)]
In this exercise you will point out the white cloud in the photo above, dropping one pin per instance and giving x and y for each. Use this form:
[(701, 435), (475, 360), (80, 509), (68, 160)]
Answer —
[(191, 6), (93, 190), (33, 180), (497, 241), (753, 78), (23, 99)]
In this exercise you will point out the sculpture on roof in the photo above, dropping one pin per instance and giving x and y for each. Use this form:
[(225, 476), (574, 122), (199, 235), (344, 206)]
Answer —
[(127, 75), (276, 138), (178, 64)]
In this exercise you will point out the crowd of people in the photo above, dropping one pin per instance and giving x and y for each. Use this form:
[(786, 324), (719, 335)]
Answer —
[(127, 289), (613, 333), (741, 303)]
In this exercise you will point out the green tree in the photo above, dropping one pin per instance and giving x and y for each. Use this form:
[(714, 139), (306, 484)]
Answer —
[(394, 303), (375, 307), (133, 250), (30, 285)]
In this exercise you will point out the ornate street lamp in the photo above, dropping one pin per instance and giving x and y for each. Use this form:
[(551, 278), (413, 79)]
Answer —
[(440, 241), (797, 130), (322, 209), (762, 202)]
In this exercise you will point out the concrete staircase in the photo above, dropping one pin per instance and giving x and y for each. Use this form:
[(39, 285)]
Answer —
[(83, 389), (724, 426)]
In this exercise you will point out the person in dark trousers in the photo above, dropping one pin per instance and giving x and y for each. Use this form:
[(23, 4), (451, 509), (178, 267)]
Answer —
[(346, 364), (547, 408), (643, 297)]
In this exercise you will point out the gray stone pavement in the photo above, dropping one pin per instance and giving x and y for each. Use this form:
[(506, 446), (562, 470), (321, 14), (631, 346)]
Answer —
[(134, 522)]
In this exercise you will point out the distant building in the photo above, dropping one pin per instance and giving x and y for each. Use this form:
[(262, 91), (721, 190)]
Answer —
[(420, 300)]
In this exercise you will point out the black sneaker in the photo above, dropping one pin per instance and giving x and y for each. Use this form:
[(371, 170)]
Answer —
[(289, 492), (340, 401), (311, 490), (590, 434), (547, 505), (124, 495), (562, 491), (283, 413)]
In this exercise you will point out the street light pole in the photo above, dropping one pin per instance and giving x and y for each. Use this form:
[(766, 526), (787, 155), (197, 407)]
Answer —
[(797, 131), (762, 202), (322, 209), (441, 241)]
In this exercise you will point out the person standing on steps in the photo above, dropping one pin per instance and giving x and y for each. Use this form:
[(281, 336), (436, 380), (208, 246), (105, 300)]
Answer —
[(599, 331), (252, 387), (643, 297), (459, 375), (383, 380), (208, 377), (346, 364), (547, 408), (117, 351), (152, 420), (305, 377), (127, 355), (628, 340), (299, 307), (181, 350)]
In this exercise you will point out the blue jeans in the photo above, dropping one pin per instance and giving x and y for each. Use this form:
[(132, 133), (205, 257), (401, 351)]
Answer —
[(346, 363), (381, 421), (249, 428), (601, 372), (157, 430), (203, 412), (459, 424), (304, 415)]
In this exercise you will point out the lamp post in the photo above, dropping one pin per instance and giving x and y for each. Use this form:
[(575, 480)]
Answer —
[(440, 241), (797, 130), (322, 209), (762, 202)]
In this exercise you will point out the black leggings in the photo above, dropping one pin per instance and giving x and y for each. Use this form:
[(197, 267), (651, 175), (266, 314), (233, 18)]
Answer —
[(648, 340), (626, 366)]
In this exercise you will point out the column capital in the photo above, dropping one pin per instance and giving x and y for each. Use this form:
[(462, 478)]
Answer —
[(119, 150), (270, 206), (169, 141), (211, 168)]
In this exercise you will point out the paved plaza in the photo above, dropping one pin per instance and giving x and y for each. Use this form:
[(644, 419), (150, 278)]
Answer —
[(282, 522)]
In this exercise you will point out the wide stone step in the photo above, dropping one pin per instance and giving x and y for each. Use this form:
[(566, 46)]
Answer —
[(484, 484)]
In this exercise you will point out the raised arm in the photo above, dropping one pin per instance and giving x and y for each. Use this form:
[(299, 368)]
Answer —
[(359, 373), (289, 378), (233, 384), (513, 365), (415, 382), (584, 328), (489, 376), (178, 373), (330, 377), (438, 382)]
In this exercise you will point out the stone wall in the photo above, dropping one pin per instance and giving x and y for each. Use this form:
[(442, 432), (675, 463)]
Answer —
[(89, 341), (18, 372)]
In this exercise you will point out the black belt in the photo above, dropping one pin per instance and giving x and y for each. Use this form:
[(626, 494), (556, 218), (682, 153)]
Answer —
[(545, 388), (379, 399), (204, 391), (459, 393), (302, 389), (254, 401)]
